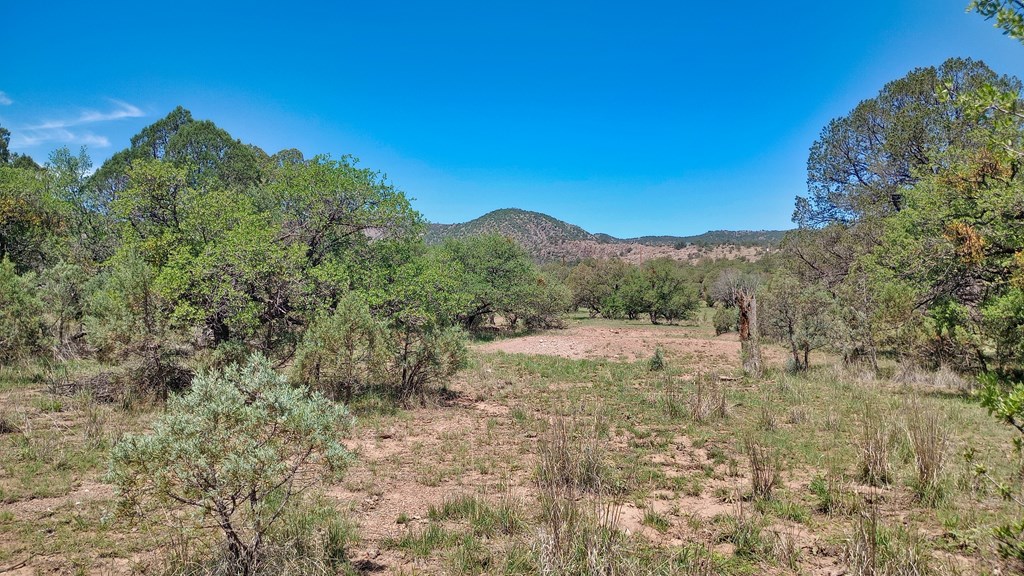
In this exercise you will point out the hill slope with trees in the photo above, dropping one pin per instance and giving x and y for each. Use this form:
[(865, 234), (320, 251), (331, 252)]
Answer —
[(548, 239)]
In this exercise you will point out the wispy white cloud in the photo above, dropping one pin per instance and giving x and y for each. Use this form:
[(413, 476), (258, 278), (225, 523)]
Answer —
[(60, 130), (5, 100), (121, 110), (59, 136)]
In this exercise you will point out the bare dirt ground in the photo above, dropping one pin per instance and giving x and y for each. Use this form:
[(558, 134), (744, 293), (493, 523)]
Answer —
[(630, 343)]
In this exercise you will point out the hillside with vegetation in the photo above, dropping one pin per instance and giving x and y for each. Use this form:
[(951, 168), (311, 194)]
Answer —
[(548, 239), (218, 360), (762, 238)]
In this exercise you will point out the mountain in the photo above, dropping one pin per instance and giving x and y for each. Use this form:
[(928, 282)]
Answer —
[(549, 239)]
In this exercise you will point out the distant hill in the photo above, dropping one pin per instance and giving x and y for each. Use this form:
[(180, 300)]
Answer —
[(529, 228), (765, 238), (549, 239)]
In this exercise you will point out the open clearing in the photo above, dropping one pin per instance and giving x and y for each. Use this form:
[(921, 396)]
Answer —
[(692, 346), (678, 490)]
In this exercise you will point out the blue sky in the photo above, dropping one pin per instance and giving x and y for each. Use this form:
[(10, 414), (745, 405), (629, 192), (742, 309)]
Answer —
[(625, 118)]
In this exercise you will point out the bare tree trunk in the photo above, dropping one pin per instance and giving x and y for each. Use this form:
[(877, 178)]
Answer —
[(793, 347), (750, 342)]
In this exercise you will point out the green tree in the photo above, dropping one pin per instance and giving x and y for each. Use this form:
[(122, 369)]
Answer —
[(547, 303), (22, 331), (237, 447), (5, 141), (797, 315), (498, 276), (1008, 14), (864, 162), (88, 233), (669, 295), (212, 158), (29, 219), (420, 304), (127, 320), (62, 288), (633, 293), (336, 209), (897, 193), (594, 282)]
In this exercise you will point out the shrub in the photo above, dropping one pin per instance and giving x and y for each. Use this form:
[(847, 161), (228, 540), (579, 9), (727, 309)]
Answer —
[(419, 358), (342, 351), (657, 361), (312, 537), (1005, 401), (236, 447), (21, 322), (724, 319)]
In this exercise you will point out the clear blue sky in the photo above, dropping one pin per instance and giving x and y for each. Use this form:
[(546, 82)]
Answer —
[(625, 118)]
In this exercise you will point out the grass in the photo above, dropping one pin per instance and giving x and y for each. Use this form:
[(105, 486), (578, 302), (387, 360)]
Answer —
[(506, 517), (421, 543), (541, 478), (708, 401), (929, 442), (765, 467), (656, 521), (876, 549), (875, 447), (570, 456)]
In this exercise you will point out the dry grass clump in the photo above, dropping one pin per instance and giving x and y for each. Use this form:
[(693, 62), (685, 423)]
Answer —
[(673, 403), (786, 549), (929, 442), (767, 419), (576, 540), (698, 560), (8, 424), (797, 415), (708, 400), (505, 517), (832, 422), (874, 549), (875, 446), (832, 494), (765, 468), (746, 533), (945, 378), (570, 456), (859, 372)]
